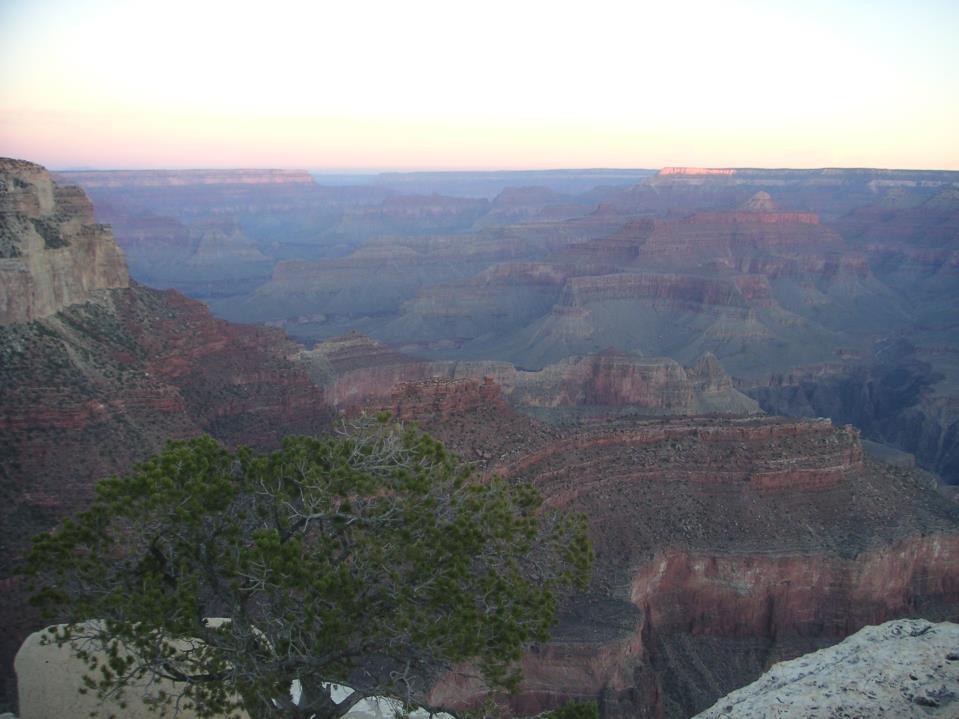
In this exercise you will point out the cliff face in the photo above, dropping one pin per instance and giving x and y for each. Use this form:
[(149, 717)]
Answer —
[(668, 291), (52, 254), (106, 373), (896, 394), (719, 235), (357, 372), (722, 546)]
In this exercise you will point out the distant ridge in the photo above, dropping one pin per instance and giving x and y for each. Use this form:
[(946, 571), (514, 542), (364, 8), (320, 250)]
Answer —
[(179, 178), (754, 172)]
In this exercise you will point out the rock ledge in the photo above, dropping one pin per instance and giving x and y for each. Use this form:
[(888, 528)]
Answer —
[(903, 668)]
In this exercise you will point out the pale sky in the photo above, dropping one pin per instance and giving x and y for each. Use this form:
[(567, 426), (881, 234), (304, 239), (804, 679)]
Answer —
[(443, 84)]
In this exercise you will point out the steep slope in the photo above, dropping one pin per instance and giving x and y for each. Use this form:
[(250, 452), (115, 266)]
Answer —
[(97, 376), (52, 254), (722, 547)]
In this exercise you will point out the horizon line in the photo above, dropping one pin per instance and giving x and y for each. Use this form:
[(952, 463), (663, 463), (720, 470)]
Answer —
[(383, 171)]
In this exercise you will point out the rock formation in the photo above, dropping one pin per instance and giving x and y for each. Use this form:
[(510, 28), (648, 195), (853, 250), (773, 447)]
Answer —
[(159, 217), (98, 372), (830, 192), (523, 204), (736, 544), (724, 544), (52, 254), (904, 668), (357, 372), (50, 684)]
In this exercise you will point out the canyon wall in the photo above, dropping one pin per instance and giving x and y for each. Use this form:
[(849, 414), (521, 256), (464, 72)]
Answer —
[(97, 373), (723, 546), (52, 253), (357, 372)]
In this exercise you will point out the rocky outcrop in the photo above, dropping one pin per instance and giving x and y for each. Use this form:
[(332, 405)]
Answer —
[(775, 461), (52, 254), (752, 231), (221, 243), (50, 684), (440, 399), (760, 202), (103, 377), (903, 668), (356, 371)]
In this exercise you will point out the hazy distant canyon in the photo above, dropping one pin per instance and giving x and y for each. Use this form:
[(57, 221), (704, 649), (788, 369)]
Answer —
[(821, 292)]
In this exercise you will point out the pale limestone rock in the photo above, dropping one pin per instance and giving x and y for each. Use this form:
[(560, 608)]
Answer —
[(52, 253), (50, 677), (901, 669)]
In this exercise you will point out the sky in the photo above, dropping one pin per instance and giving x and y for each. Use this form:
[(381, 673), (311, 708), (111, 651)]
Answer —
[(491, 84)]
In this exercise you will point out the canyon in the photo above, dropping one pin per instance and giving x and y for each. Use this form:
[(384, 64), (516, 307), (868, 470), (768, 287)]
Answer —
[(723, 545), (97, 372), (615, 347)]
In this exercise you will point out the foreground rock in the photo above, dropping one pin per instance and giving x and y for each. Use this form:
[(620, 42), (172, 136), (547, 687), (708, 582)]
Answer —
[(903, 668), (50, 684)]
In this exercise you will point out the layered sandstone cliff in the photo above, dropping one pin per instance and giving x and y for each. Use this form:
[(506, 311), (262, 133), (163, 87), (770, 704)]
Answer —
[(357, 372), (52, 253), (736, 543)]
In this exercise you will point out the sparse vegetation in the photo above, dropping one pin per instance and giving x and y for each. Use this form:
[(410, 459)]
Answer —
[(372, 559)]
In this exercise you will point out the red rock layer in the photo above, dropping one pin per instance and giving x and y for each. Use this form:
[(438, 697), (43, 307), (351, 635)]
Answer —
[(440, 399), (740, 542), (752, 594), (577, 456), (356, 371)]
